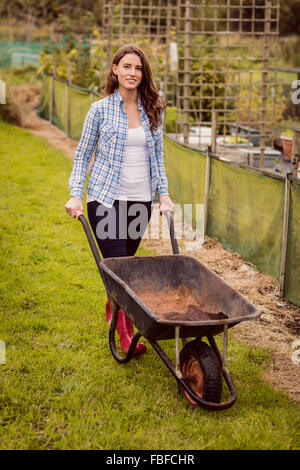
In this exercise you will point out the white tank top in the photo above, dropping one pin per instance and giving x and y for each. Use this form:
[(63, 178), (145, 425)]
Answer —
[(135, 184)]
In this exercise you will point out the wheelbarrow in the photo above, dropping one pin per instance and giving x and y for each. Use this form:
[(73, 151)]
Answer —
[(176, 296)]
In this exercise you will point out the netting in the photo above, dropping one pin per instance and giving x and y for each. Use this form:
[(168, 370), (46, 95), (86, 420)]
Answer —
[(59, 105), (186, 170), (78, 106), (19, 53), (79, 102), (245, 213), (44, 100), (292, 279)]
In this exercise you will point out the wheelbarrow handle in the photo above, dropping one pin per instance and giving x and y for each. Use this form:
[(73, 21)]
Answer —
[(91, 240), (172, 232)]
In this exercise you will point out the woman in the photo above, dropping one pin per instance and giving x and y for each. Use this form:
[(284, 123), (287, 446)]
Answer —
[(128, 167)]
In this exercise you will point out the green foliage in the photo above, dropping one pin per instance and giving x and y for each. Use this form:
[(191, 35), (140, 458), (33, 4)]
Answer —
[(248, 108), (209, 82), (69, 37), (10, 111), (289, 19), (288, 51), (234, 139), (82, 64), (84, 55), (173, 116), (48, 11), (46, 62), (289, 125), (288, 133), (170, 126), (17, 75)]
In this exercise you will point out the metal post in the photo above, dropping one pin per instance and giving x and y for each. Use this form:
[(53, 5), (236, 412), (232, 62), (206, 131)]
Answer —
[(206, 194), (213, 149), (177, 361), (214, 132), (225, 344), (284, 233)]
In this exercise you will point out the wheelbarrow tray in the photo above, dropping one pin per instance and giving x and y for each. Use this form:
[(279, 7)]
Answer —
[(127, 278)]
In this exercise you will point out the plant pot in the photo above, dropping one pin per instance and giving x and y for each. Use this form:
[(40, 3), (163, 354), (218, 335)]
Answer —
[(287, 144)]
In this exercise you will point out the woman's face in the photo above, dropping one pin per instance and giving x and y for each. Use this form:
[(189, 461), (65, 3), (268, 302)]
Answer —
[(129, 71)]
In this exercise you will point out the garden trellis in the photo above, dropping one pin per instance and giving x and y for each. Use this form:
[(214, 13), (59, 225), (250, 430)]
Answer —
[(209, 58)]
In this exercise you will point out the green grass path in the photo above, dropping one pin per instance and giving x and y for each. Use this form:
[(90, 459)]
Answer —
[(60, 387)]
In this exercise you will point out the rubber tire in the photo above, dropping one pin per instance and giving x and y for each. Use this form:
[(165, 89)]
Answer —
[(210, 368)]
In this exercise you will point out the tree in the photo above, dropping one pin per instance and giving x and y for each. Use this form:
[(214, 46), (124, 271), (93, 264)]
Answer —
[(289, 17)]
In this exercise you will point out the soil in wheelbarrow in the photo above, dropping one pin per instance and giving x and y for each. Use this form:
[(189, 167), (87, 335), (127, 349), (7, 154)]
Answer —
[(176, 304)]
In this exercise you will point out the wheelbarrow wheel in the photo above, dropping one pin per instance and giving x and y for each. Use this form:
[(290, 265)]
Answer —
[(201, 371)]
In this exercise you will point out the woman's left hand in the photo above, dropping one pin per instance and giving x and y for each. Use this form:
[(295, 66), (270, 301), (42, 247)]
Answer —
[(166, 203)]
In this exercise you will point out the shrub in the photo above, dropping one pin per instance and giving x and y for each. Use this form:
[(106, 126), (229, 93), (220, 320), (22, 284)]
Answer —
[(171, 118), (10, 112)]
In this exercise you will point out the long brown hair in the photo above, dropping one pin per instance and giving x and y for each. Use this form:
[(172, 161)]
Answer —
[(153, 104)]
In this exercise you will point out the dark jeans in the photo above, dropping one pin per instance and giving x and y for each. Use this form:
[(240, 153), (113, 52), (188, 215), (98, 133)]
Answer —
[(119, 229)]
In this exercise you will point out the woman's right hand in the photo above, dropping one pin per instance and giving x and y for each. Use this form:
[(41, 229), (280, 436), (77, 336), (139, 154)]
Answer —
[(74, 207)]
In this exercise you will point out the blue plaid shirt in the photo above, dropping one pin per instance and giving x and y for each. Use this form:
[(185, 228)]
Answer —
[(106, 128)]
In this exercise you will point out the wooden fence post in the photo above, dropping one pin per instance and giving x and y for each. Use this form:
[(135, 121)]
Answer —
[(69, 80), (295, 153), (265, 84), (214, 131), (294, 171), (52, 91), (51, 99), (110, 33), (167, 56)]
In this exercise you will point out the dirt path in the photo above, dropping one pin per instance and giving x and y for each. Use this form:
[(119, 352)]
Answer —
[(279, 325), (28, 99)]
